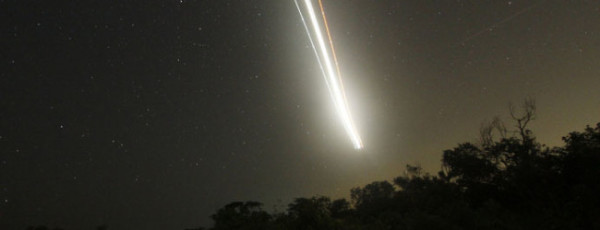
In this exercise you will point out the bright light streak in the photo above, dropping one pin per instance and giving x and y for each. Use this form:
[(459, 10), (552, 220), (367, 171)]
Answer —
[(332, 79)]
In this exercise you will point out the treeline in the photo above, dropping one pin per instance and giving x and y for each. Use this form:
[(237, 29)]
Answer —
[(509, 182)]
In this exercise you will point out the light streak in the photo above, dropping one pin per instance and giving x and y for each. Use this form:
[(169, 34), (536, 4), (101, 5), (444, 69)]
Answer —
[(332, 79), (510, 17)]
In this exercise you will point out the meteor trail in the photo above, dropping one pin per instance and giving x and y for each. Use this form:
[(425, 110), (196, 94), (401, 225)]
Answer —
[(333, 79), (490, 28)]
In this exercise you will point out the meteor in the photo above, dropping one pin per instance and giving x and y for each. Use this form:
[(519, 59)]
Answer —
[(333, 79)]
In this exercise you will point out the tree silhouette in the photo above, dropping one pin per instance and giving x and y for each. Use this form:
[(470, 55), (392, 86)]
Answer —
[(241, 215), (311, 213), (508, 183), (373, 196)]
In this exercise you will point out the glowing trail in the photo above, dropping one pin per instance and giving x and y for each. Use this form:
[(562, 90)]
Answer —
[(332, 79)]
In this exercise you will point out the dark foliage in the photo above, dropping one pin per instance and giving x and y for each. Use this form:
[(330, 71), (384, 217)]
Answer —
[(241, 215), (511, 183)]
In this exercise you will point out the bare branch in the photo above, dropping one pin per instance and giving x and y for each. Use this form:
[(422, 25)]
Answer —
[(486, 137), (487, 130), (527, 115), (499, 126)]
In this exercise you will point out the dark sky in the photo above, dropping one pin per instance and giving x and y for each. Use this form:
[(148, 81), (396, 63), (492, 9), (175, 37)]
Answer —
[(153, 114)]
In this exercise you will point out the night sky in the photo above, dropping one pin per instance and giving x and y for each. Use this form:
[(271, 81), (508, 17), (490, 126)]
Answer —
[(153, 114)]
